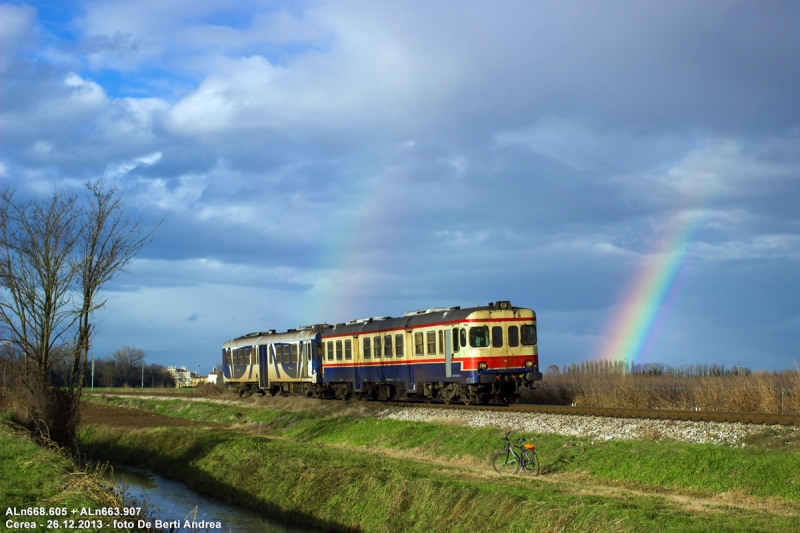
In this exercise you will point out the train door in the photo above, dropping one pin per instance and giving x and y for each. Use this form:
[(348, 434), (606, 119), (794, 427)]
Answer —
[(448, 355), (315, 364), (352, 351), (263, 367)]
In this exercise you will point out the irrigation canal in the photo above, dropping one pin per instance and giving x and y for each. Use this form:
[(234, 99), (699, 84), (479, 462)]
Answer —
[(171, 501)]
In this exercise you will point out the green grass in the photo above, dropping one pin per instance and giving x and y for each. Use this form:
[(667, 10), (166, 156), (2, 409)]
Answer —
[(696, 469), (32, 476), (341, 471)]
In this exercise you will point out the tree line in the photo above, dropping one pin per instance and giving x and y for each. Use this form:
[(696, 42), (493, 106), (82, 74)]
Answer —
[(122, 368)]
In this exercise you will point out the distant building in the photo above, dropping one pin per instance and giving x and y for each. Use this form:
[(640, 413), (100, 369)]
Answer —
[(183, 377)]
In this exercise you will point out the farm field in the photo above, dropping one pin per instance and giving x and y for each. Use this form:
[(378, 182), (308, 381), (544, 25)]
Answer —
[(342, 466)]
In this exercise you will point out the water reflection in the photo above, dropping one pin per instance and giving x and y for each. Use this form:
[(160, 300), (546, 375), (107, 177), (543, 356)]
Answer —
[(173, 501)]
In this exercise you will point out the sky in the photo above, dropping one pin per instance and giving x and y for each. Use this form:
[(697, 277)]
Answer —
[(629, 170)]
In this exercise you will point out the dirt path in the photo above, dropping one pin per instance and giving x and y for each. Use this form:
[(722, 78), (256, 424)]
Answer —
[(123, 417)]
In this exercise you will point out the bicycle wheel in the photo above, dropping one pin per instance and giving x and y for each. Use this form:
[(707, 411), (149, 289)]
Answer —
[(505, 463), (530, 463)]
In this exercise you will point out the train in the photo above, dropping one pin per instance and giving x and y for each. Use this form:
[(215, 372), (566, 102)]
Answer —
[(473, 355)]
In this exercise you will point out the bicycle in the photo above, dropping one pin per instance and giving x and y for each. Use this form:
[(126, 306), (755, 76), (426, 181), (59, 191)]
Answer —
[(507, 461)]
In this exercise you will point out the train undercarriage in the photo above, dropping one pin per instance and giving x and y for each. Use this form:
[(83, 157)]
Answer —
[(503, 390)]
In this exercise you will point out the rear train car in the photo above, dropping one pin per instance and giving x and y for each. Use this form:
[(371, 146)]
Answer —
[(272, 362)]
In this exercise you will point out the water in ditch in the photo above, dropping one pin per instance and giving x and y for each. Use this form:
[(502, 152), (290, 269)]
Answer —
[(171, 502)]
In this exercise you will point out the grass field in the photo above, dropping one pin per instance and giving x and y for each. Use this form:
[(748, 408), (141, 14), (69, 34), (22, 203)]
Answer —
[(388, 475), (601, 386)]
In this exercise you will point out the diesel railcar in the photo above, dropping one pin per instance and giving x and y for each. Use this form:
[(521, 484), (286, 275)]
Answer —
[(470, 355)]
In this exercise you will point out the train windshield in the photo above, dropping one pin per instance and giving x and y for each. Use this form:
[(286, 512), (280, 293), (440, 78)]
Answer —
[(479, 337), (528, 334)]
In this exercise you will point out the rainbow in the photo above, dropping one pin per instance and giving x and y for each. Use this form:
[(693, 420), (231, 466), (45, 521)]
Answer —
[(633, 332), (650, 296)]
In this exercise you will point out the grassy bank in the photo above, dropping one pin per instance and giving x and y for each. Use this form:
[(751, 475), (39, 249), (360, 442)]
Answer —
[(33, 476), (342, 489), (387, 475)]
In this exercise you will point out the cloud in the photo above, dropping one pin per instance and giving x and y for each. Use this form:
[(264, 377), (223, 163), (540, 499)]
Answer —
[(321, 160)]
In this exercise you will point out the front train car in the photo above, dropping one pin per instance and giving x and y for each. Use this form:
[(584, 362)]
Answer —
[(473, 355)]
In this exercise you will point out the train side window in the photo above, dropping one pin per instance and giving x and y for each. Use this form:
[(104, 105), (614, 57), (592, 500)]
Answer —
[(330, 350), (293, 351), (367, 348), (387, 345), (463, 337), (455, 339), (419, 348), (528, 334), (441, 341), (348, 349), (431, 343), (497, 336), (398, 345), (338, 350), (376, 347), (513, 336)]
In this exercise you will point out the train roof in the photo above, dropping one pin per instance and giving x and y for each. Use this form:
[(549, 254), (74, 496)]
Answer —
[(365, 325), (417, 318)]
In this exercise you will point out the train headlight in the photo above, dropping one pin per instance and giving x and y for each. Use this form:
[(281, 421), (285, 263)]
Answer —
[(528, 364), (482, 366)]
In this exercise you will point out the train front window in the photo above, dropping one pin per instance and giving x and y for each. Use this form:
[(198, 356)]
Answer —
[(463, 336), (455, 339), (367, 348), (497, 336), (528, 334), (479, 337), (513, 336)]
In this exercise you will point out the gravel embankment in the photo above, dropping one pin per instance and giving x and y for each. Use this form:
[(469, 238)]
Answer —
[(593, 427)]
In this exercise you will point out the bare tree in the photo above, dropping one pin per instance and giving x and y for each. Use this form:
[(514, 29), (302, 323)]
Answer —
[(128, 358), (37, 270), (55, 257), (108, 244)]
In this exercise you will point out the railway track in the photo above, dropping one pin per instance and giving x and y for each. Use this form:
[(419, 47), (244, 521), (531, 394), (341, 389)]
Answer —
[(610, 412)]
